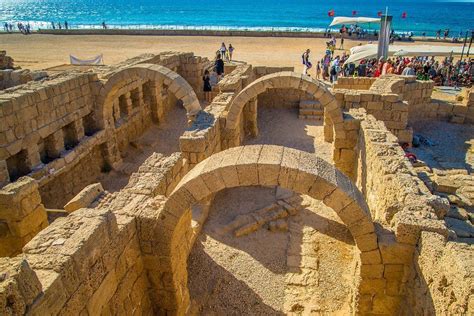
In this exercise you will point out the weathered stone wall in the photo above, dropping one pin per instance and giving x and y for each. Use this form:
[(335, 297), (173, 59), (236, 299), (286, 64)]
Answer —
[(57, 190), (41, 121), (439, 110), (354, 83), (10, 78), (441, 281), (86, 263), (204, 137), (6, 62), (387, 107), (22, 215), (283, 98)]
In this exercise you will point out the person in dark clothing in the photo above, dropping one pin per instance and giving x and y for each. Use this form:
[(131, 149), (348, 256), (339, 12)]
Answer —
[(66, 26), (219, 67), (207, 86)]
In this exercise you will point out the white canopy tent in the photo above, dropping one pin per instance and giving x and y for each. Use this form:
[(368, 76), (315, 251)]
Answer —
[(353, 20), (370, 51)]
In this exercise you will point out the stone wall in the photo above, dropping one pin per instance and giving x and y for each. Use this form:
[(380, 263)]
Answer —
[(41, 121), (6, 62), (440, 110), (10, 77), (354, 83), (441, 281), (22, 215), (56, 190), (87, 263)]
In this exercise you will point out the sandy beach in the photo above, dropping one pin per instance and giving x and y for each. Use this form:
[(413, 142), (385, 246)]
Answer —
[(43, 51)]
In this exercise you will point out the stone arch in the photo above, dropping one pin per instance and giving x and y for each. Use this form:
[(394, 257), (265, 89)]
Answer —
[(285, 79), (152, 72), (260, 165)]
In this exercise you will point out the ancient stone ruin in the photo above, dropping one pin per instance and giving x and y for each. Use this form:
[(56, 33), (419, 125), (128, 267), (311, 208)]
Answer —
[(123, 192)]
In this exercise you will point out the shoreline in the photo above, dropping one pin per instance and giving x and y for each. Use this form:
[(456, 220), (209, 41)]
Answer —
[(224, 33)]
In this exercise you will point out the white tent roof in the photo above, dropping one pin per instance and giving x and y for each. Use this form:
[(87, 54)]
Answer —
[(370, 51), (353, 20)]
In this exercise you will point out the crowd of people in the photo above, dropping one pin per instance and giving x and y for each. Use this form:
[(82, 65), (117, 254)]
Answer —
[(23, 28), (445, 72)]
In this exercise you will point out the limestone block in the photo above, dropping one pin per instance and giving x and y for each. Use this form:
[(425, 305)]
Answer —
[(247, 168), (19, 286), (84, 198)]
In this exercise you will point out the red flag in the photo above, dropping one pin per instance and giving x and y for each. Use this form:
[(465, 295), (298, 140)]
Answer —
[(331, 12), (404, 15), (354, 13), (379, 13)]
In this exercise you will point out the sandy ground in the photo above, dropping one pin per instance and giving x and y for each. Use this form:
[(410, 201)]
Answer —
[(42, 51), (251, 275), (453, 145), (279, 126)]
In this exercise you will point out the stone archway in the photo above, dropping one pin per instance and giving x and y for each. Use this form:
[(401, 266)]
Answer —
[(258, 165), (287, 79), (148, 72)]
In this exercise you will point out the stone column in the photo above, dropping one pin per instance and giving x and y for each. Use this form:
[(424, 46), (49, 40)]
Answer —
[(250, 118), (54, 144), (116, 110), (328, 128), (128, 100), (22, 215), (78, 130), (33, 154), (4, 176)]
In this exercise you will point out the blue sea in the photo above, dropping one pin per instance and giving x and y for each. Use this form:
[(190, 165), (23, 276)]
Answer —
[(296, 15)]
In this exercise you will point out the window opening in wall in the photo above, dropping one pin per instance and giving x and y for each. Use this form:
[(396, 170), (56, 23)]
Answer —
[(42, 149), (18, 165), (135, 96), (89, 124), (123, 106), (70, 137)]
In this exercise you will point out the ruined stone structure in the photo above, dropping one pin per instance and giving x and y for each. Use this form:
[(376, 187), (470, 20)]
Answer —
[(70, 247)]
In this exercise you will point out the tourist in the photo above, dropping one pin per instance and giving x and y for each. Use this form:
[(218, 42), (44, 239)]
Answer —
[(59, 25), (342, 42), (219, 67), (318, 70), (104, 26), (53, 26), (5, 26), (408, 71), (223, 51), (446, 33), (438, 34), (231, 51), (306, 63), (65, 25), (207, 88), (334, 69), (362, 69)]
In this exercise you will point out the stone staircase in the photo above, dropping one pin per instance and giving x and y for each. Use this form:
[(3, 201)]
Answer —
[(311, 110)]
